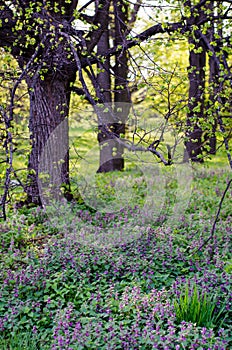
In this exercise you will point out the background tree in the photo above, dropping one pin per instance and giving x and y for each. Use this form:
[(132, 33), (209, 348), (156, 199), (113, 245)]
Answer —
[(206, 43), (116, 94)]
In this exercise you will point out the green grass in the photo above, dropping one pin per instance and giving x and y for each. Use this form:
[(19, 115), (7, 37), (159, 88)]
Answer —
[(19, 341), (198, 308)]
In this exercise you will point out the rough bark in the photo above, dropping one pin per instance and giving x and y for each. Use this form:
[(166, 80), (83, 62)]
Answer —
[(48, 161), (196, 105), (197, 62)]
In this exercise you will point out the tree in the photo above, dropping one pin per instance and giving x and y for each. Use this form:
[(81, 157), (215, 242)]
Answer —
[(111, 152), (51, 52), (30, 31), (206, 41), (197, 62)]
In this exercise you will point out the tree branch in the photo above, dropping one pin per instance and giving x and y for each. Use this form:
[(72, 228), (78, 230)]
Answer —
[(99, 20), (211, 236), (156, 29), (134, 14)]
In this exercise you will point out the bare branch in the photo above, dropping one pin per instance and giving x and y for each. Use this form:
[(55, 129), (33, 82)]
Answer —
[(134, 13), (8, 145), (127, 44), (99, 20), (211, 236)]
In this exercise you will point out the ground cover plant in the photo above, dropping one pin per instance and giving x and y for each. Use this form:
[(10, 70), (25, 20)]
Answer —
[(156, 290)]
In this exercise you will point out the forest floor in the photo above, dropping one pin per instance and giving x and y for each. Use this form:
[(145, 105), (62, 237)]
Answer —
[(129, 265)]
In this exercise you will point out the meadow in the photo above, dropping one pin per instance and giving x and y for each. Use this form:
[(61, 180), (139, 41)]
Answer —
[(76, 276)]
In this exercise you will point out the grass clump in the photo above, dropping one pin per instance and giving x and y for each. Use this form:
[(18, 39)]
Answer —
[(19, 341), (199, 308)]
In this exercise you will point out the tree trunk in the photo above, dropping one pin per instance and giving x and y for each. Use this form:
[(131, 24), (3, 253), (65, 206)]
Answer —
[(106, 142), (213, 32), (111, 151), (213, 81), (49, 158), (122, 97), (197, 62), (196, 105)]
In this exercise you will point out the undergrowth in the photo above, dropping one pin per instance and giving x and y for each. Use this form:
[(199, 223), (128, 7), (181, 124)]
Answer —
[(76, 278)]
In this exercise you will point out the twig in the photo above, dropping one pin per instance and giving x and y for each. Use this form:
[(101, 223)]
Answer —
[(216, 218)]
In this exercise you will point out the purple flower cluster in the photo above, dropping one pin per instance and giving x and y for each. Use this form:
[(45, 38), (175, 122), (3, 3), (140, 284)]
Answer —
[(116, 297), (142, 321)]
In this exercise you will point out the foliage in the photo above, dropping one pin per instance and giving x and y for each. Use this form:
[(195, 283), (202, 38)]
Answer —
[(73, 295)]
